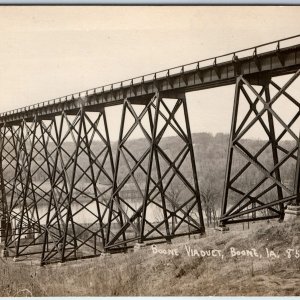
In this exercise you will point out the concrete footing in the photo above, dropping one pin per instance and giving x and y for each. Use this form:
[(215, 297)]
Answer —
[(138, 246), (292, 212), (105, 254), (222, 228)]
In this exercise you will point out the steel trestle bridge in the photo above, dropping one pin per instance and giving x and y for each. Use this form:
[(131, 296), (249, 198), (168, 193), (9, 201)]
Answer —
[(63, 182)]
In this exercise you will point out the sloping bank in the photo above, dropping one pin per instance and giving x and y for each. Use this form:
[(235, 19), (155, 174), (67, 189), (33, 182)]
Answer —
[(264, 260)]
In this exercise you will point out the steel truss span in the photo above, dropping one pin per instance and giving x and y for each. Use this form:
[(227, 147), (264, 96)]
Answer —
[(67, 192)]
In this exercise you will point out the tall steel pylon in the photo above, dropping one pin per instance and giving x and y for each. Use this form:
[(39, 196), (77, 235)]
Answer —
[(3, 201), (81, 183), (153, 171), (23, 164), (256, 186)]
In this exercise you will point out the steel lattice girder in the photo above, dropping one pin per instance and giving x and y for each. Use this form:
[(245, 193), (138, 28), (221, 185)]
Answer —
[(152, 174), (265, 196)]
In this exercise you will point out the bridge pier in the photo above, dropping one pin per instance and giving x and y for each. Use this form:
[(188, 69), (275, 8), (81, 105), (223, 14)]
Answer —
[(81, 182), (297, 176), (5, 226), (76, 164), (292, 212), (155, 174), (253, 181), (20, 163), (3, 201)]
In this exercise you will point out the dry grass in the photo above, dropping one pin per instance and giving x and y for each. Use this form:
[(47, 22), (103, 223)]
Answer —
[(146, 274)]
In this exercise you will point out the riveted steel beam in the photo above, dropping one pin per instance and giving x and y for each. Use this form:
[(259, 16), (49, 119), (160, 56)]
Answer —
[(186, 78)]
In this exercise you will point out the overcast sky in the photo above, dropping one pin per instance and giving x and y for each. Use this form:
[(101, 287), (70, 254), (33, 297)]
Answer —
[(47, 52)]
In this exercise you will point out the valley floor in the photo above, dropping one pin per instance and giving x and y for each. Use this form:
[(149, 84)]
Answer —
[(261, 261)]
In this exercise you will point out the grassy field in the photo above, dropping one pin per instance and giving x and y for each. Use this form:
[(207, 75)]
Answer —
[(261, 271)]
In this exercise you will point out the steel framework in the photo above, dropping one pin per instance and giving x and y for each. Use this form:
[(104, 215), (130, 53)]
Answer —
[(154, 173), (61, 190), (46, 186), (62, 194), (254, 182), (81, 182)]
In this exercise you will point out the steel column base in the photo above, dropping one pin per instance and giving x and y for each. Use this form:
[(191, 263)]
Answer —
[(292, 212), (138, 247)]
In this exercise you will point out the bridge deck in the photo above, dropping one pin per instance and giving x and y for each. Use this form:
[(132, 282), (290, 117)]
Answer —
[(186, 78)]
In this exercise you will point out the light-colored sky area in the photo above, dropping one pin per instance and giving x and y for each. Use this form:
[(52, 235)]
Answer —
[(47, 52)]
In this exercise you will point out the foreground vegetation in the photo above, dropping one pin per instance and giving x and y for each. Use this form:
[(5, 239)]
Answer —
[(155, 274)]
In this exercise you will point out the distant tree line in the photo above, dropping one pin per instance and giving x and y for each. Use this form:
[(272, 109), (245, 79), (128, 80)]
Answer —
[(210, 156)]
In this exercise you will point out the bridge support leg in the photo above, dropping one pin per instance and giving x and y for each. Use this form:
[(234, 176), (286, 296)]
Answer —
[(22, 202), (5, 227), (3, 210), (156, 197), (254, 181), (293, 211), (297, 176), (81, 184)]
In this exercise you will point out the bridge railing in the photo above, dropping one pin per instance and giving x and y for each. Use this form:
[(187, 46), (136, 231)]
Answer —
[(274, 45)]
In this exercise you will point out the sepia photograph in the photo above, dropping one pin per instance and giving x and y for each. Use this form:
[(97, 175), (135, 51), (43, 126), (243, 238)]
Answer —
[(149, 150)]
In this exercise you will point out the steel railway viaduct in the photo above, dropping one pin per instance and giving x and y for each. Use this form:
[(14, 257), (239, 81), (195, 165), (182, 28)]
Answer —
[(47, 187)]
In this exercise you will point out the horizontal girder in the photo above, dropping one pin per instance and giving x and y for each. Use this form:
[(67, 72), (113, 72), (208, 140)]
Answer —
[(186, 78)]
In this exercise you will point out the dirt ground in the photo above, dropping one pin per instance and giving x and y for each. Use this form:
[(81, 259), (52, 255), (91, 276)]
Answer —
[(261, 261)]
